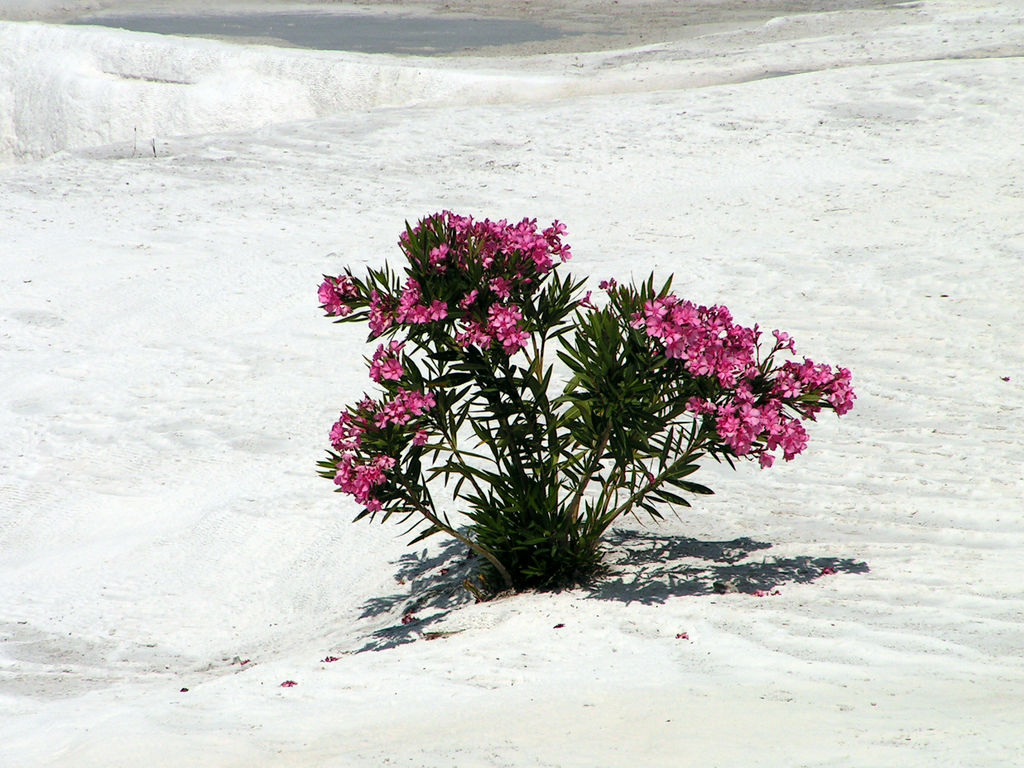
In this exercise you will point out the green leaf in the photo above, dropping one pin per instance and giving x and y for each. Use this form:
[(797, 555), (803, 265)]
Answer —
[(673, 498), (694, 488)]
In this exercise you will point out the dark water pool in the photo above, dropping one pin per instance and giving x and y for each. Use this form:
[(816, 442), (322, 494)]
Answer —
[(337, 32)]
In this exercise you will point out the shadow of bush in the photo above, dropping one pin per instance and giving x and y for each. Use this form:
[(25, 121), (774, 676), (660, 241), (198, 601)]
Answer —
[(432, 587), (642, 567), (647, 567)]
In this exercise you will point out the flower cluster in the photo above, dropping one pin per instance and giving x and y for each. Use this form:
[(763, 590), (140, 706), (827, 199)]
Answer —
[(794, 379), (400, 409), (754, 428), (711, 346), (360, 471), (705, 338), (494, 266), (495, 245), (360, 480), (386, 363), (408, 310), (503, 325), (336, 294), (474, 274)]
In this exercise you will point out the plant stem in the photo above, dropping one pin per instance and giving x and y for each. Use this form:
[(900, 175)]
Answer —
[(595, 461), (687, 458), (436, 521), (610, 491)]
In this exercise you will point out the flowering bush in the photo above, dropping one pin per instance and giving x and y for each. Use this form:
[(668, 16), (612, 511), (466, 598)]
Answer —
[(470, 333)]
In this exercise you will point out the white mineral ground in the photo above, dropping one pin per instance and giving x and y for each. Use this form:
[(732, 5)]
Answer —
[(852, 173)]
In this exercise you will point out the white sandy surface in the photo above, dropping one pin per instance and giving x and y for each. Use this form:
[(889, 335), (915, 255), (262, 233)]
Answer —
[(167, 383)]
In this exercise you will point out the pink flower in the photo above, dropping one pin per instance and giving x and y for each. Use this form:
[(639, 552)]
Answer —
[(794, 439), (474, 333), (346, 433), (512, 255), (412, 311), (408, 304), (501, 287), (385, 364), (383, 463), (783, 340), (420, 438), (359, 476), (382, 315), (438, 310), (514, 341), (503, 325), (787, 386), (699, 406), (391, 370), (437, 258), (705, 338), (840, 393), (334, 293), (405, 405), (737, 431), (553, 235)]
